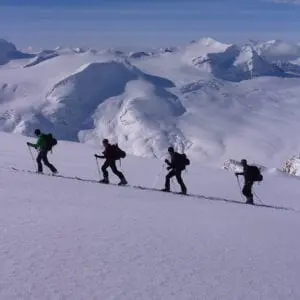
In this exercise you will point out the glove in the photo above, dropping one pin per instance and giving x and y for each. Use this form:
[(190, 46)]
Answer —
[(167, 161), (96, 155), (236, 174), (169, 168)]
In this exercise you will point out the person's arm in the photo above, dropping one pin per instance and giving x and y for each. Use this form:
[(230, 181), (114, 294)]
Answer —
[(170, 164), (239, 173), (37, 145), (30, 145), (99, 156)]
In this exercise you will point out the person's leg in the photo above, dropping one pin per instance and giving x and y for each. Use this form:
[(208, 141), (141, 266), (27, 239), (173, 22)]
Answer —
[(117, 172), (247, 191), (46, 162), (168, 178), (105, 172), (39, 162), (180, 181)]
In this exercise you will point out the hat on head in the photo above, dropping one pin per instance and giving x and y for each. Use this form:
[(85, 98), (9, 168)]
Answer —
[(37, 132), (170, 149), (244, 162)]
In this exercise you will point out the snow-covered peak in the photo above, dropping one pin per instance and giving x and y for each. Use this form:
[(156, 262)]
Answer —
[(278, 50), (209, 42), (236, 64), (139, 54), (248, 59), (246, 55), (203, 47), (250, 62)]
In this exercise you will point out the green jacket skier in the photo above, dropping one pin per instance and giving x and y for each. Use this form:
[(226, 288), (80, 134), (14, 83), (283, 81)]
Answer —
[(41, 143), (43, 148)]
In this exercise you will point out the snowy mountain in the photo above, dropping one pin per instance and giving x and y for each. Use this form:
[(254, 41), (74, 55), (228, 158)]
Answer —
[(41, 57), (202, 48), (68, 238), (235, 64), (288, 67), (212, 100), (139, 54), (275, 50), (8, 52)]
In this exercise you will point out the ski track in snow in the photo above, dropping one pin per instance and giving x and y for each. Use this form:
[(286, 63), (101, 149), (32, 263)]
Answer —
[(145, 188), (66, 239)]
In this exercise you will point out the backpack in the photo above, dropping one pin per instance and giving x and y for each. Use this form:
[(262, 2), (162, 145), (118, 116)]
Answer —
[(50, 141), (183, 161), (255, 173), (117, 152)]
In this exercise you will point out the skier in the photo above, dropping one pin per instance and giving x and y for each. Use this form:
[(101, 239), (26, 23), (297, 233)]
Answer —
[(44, 144), (176, 166), (251, 174), (111, 154)]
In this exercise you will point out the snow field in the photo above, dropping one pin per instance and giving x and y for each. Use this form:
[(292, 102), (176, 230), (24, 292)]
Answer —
[(64, 239)]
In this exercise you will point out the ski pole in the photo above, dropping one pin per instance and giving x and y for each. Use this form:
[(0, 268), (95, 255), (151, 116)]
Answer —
[(32, 158), (158, 176), (258, 198), (98, 168)]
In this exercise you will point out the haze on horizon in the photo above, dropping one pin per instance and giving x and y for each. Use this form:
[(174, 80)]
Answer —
[(145, 23)]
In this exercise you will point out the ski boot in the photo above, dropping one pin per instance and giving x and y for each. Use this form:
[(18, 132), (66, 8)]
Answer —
[(250, 201), (123, 181), (183, 192), (165, 190), (104, 180)]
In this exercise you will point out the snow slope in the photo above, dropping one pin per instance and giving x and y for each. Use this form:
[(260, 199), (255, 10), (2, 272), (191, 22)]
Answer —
[(212, 100), (69, 239)]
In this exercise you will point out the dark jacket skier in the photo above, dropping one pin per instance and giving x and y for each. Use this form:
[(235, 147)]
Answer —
[(43, 147), (110, 155), (176, 166), (248, 181)]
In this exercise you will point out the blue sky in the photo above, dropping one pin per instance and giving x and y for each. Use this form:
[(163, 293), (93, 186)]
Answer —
[(119, 23)]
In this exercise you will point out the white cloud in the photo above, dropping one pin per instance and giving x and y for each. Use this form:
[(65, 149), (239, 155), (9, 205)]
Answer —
[(297, 2)]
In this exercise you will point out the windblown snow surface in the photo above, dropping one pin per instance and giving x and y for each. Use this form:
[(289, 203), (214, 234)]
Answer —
[(212, 100), (63, 238)]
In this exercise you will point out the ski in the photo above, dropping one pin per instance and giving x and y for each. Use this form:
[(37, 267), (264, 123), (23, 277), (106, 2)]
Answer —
[(159, 190), (198, 196), (53, 175)]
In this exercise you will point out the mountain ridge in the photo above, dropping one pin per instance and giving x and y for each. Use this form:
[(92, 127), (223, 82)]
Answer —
[(209, 99)]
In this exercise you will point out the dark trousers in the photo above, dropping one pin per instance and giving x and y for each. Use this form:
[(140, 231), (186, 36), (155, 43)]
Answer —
[(247, 190), (112, 165), (177, 174), (42, 157)]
